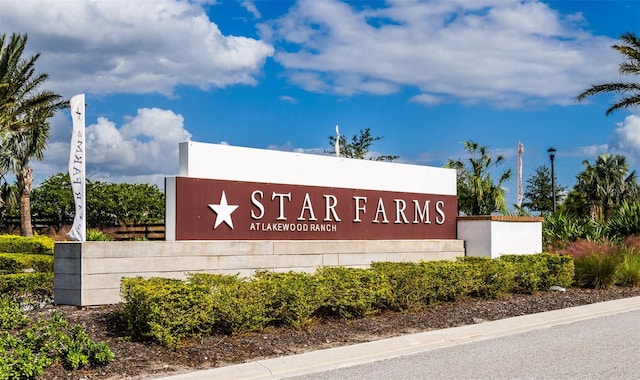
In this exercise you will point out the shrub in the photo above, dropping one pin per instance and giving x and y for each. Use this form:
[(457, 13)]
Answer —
[(11, 316), (166, 309), (560, 229), (18, 361), (55, 340), (625, 221), (79, 351), (36, 262), (628, 270), (560, 271), (97, 235), (9, 265), (27, 288), (540, 271), (493, 277), (449, 281), (405, 280), (25, 354), (20, 244), (351, 292), (293, 297), (242, 306), (416, 285)]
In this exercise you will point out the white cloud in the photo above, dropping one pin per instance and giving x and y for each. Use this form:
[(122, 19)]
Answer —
[(626, 139), (251, 8), (504, 52), (288, 147), (588, 152), (427, 99), (104, 47), (146, 144), (289, 99), (143, 149)]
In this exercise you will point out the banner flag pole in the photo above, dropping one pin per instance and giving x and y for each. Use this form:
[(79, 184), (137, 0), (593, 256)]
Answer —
[(337, 141), (77, 166), (519, 190)]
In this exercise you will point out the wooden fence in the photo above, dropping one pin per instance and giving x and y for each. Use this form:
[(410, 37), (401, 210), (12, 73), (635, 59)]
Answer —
[(140, 231)]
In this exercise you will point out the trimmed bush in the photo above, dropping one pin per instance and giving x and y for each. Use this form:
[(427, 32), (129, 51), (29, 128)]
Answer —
[(540, 271), (20, 244), (166, 310), (36, 262), (27, 287), (242, 306), (560, 271), (406, 281), (9, 265), (493, 277), (417, 285), (169, 310), (293, 297), (239, 305), (352, 292)]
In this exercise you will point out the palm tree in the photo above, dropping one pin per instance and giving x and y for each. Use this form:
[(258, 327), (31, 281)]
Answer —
[(360, 146), (18, 148), (631, 51), (20, 96), (606, 184), (477, 193), (24, 110)]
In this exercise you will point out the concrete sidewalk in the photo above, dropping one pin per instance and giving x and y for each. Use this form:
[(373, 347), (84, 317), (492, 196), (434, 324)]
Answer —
[(340, 357)]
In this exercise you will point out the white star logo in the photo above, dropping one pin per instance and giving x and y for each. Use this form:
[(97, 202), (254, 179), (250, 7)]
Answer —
[(223, 212)]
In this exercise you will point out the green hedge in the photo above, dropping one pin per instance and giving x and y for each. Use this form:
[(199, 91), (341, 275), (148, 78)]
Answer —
[(35, 262), (27, 288), (351, 292), (293, 297), (9, 265), (417, 285), (541, 271), (20, 244), (169, 310)]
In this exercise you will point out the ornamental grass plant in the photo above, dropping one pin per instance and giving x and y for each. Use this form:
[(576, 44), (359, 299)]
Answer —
[(600, 265)]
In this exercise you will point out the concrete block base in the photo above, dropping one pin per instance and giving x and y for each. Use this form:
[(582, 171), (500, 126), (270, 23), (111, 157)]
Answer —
[(494, 235), (89, 273)]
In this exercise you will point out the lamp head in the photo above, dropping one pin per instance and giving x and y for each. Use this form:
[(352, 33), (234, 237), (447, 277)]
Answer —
[(552, 152)]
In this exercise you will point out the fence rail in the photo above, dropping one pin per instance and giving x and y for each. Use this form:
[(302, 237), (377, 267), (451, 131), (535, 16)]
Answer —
[(140, 231)]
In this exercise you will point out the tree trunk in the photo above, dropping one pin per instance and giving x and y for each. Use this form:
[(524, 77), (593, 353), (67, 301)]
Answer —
[(25, 184)]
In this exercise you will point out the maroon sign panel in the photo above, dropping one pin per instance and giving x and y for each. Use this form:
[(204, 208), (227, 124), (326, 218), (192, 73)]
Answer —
[(209, 209)]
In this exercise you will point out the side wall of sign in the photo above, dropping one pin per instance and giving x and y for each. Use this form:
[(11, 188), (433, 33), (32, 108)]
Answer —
[(232, 193)]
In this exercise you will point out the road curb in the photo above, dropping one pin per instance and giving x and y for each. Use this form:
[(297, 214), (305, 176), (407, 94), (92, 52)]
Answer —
[(346, 356)]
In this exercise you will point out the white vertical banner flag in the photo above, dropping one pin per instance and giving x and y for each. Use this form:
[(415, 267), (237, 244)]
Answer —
[(77, 169)]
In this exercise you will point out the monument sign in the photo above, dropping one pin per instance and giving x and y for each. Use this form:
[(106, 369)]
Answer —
[(233, 193)]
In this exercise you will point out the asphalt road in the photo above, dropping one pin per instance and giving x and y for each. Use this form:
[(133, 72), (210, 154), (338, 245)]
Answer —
[(597, 341), (600, 348)]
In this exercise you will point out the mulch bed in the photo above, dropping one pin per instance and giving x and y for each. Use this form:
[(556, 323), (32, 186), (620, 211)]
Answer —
[(147, 360)]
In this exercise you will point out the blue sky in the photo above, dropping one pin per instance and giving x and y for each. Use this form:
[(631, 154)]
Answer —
[(424, 75)]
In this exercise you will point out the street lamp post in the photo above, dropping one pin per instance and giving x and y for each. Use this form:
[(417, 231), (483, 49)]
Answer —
[(552, 156)]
